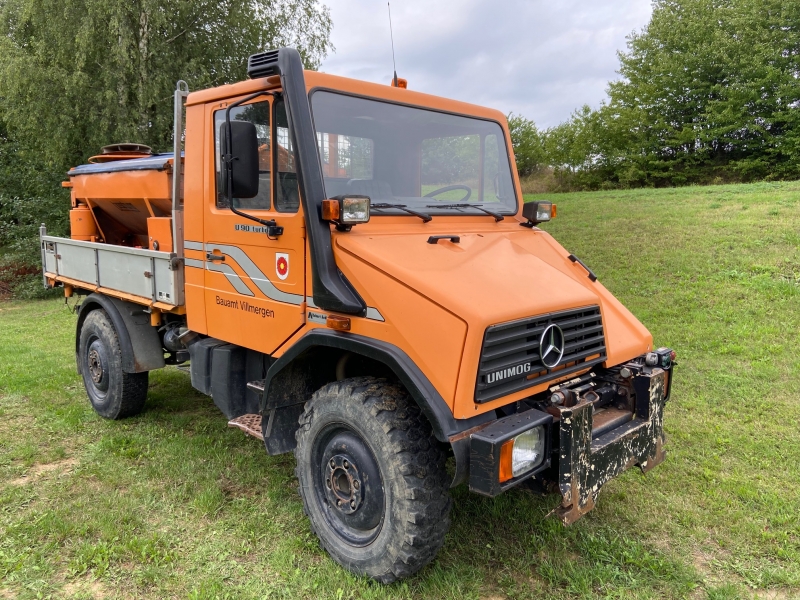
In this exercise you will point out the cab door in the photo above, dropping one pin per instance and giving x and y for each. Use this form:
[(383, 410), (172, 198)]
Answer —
[(255, 282)]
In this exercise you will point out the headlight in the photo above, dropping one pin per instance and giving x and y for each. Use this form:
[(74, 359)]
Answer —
[(355, 209), (346, 210), (528, 451), (522, 453), (538, 212)]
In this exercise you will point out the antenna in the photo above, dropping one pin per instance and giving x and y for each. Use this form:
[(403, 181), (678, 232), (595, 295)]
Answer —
[(391, 35)]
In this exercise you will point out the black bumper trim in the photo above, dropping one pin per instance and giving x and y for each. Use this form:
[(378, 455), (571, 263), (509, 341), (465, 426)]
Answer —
[(484, 461)]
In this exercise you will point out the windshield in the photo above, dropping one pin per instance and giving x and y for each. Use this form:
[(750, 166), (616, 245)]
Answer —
[(422, 159)]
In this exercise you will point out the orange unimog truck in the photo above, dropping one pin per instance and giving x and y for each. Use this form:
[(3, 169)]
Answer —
[(351, 274)]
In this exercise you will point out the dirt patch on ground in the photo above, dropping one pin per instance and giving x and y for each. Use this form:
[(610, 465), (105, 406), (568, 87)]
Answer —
[(702, 562), (11, 423), (233, 489), (775, 594), (95, 589), (61, 467)]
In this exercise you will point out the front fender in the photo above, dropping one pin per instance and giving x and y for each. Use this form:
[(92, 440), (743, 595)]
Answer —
[(446, 428)]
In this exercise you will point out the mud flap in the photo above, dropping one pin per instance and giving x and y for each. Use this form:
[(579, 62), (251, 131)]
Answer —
[(586, 464)]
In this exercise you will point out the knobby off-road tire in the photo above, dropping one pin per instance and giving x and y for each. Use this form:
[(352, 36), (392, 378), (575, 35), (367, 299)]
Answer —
[(364, 445), (113, 393)]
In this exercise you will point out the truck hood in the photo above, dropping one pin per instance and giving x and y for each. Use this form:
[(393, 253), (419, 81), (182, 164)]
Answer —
[(484, 278), (494, 276)]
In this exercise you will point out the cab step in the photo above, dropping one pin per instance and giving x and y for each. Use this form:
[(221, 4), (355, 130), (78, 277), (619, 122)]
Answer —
[(250, 424)]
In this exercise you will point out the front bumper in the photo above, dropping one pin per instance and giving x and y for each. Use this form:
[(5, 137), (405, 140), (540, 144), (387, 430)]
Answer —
[(581, 462)]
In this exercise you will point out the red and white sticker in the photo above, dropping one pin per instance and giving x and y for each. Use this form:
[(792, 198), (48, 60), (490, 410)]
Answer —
[(282, 265)]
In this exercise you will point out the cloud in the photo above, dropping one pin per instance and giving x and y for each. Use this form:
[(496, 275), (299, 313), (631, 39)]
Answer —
[(539, 58)]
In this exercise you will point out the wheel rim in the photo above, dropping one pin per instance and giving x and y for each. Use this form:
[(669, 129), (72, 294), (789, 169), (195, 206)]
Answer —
[(347, 484), (96, 361)]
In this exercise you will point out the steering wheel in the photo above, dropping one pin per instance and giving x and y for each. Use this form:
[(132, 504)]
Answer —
[(449, 188)]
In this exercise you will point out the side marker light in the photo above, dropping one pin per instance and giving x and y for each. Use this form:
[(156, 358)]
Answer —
[(338, 323)]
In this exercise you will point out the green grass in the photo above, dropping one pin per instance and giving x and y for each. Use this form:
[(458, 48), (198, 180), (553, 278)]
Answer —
[(174, 504)]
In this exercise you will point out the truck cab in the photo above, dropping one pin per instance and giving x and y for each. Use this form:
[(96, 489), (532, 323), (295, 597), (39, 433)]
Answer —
[(352, 274)]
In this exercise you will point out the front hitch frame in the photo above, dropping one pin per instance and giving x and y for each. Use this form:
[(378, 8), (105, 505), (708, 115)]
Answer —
[(585, 464)]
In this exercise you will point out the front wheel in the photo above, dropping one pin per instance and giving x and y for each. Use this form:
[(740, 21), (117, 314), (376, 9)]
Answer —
[(372, 478), (113, 393)]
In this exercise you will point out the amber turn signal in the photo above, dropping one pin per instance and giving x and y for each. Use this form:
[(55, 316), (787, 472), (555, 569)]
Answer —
[(330, 210), (506, 452), (338, 323)]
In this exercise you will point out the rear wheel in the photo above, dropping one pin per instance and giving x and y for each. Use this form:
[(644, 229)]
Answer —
[(372, 478), (113, 393)]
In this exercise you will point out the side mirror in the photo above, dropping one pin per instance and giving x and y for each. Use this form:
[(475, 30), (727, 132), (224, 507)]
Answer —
[(239, 159)]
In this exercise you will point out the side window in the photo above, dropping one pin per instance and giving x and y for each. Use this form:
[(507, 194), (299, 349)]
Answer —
[(287, 197), (258, 114)]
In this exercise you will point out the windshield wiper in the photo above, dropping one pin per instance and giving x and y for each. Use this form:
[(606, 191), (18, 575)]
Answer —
[(497, 216), (424, 216)]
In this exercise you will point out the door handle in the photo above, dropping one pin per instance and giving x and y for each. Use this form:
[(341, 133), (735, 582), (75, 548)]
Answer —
[(210, 256)]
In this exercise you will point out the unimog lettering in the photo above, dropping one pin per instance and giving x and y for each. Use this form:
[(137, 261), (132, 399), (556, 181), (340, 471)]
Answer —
[(510, 372), (405, 336)]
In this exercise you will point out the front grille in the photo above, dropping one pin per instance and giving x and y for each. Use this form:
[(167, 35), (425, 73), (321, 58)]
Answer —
[(510, 359)]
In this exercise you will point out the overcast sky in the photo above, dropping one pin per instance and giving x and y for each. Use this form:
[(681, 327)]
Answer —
[(538, 58)]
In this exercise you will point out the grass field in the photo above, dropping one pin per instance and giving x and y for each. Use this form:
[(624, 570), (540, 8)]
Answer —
[(174, 504)]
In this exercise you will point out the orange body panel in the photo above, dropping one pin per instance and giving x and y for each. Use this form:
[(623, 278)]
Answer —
[(431, 334), (194, 190), (499, 272), (159, 233), (243, 302)]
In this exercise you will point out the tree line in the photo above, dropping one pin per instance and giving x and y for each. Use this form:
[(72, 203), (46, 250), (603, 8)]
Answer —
[(709, 91), (76, 75)]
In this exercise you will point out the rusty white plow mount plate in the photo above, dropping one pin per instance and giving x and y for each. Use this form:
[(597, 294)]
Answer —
[(586, 464)]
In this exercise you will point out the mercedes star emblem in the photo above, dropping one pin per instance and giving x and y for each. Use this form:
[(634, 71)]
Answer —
[(551, 346)]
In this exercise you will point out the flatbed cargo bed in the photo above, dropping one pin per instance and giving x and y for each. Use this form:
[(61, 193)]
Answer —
[(144, 276)]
